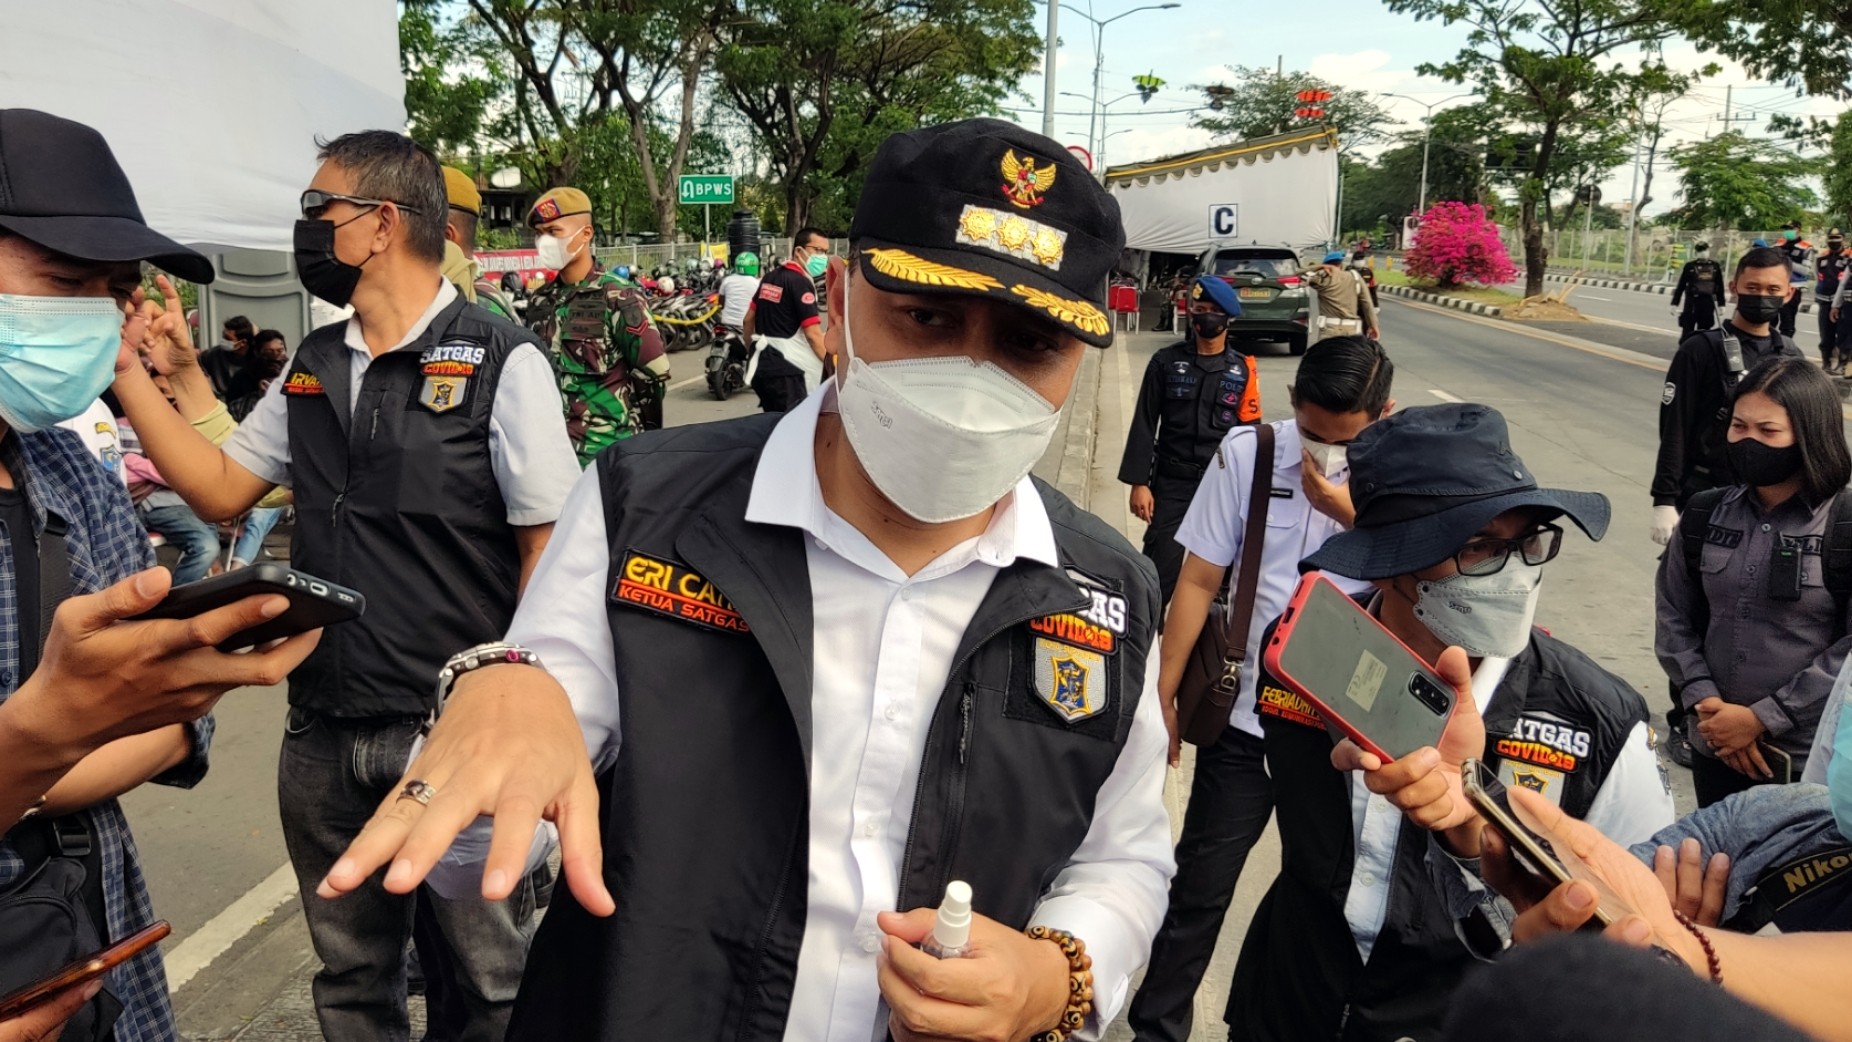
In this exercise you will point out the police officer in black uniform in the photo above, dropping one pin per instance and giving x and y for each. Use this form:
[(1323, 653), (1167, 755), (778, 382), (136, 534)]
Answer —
[(1193, 392), (1829, 270), (854, 654), (1699, 292), (1799, 253)]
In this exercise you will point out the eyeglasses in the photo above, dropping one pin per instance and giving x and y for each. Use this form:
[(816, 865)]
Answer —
[(1488, 556), (315, 202)]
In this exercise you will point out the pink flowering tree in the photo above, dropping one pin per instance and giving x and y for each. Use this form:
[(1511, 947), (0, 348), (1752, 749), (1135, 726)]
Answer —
[(1457, 243)]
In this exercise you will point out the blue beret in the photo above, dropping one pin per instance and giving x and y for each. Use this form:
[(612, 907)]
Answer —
[(1334, 257), (1218, 292)]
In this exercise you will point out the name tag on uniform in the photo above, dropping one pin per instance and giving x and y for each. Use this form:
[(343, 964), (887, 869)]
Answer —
[(1281, 493), (665, 587), (300, 382)]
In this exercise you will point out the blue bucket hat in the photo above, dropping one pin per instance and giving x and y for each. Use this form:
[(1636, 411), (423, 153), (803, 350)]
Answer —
[(1217, 291), (1334, 257), (1426, 480)]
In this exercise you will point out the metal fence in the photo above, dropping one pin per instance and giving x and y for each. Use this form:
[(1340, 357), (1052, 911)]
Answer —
[(676, 256), (1657, 255)]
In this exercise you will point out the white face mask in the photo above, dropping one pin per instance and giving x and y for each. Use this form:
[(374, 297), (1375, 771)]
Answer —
[(1489, 616), (942, 438), (1330, 458), (552, 251)]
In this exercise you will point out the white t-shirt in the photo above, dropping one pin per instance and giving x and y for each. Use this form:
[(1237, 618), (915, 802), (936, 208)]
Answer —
[(736, 292), (98, 429)]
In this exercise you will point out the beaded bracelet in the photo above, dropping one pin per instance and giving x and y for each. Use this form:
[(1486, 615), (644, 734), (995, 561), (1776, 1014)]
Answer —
[(1710, 952), (1079, 983)]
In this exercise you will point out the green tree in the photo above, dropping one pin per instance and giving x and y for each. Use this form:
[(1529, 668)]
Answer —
[(1555, 69), (1838, 173), (1735, 182), (1804, 42), (821, 82), (1261, 102), (446, 102)]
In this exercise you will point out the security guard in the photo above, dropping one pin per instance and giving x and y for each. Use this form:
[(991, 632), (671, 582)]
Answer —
[(599, 333), (460, 266), (1829, 271), (1193, 392), (854, 653), (1799, 253), (424, 442), (1699, 292), (1345, 306), (1356, 939), (784, 325)]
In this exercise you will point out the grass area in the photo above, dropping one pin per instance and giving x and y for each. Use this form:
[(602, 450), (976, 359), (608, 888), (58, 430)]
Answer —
[(1479, 294)]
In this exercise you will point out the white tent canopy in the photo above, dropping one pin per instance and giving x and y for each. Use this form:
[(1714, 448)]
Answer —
[(211, 106), (1275, 191)]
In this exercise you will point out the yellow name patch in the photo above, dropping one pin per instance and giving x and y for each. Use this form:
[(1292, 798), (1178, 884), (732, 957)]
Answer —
[(670, 588), (303, 383), (1288, 706)]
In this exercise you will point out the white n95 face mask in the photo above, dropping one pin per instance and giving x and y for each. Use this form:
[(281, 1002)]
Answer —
[(1330, 458), (550, 252), (942, 438), (1488, 616)]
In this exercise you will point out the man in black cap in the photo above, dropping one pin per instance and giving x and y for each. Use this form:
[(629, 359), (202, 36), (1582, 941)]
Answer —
[(72, 241), (1354, 939), (859, 647), (1193, 393)]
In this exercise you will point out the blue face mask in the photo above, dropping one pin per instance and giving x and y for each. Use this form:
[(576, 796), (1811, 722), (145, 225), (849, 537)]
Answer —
[(57, 354), (816, 264), (1839, 765)]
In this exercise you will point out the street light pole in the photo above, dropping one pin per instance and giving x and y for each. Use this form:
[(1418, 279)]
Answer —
[(1048, 72), (1427, 137)]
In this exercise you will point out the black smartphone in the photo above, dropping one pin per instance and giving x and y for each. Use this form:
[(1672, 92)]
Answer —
[(1780, 763), (1524, 839), (83, 971), (313, 603)]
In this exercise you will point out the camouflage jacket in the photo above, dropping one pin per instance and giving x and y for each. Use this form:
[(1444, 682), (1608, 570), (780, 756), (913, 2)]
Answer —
[(602, 343)]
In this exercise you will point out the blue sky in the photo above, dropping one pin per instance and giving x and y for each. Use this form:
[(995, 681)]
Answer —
[(1357, 43)]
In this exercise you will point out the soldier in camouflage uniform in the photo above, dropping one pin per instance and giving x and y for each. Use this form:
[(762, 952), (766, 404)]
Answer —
[(597, 327)]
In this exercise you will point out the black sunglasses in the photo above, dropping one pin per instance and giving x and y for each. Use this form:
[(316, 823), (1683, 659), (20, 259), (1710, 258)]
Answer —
[(315, 202), (1483, 557)]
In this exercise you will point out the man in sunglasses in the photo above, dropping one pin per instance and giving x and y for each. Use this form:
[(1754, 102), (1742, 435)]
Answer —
[(427, 450), (1358, 938)]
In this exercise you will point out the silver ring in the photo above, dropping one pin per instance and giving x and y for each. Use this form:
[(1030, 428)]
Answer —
[(420, 790)]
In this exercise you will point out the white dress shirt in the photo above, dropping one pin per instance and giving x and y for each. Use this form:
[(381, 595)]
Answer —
[(533, 459), (883, 648), (1631, 804), (1216, 524)]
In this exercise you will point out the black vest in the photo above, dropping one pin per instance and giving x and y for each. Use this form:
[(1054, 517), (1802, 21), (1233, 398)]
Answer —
[(1556, 722), (397, 499), (705, 812)]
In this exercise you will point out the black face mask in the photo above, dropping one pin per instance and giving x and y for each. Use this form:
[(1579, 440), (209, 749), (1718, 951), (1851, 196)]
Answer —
[(1763, 465), (1757, 309), (1209, 324), (322, 273)]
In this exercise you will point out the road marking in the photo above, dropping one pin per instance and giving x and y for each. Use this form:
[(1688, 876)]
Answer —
[(1444, 396), (1591, 296), (684, 383), (228, 927)]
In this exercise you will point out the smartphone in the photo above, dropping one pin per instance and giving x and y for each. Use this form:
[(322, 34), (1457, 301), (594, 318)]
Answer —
[(313, 602), (83, 971), (1364, 681), (1524, 838), (1780, 763)]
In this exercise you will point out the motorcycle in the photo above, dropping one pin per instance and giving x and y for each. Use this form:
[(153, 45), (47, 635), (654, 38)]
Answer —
[(686, 321), (726, 363)]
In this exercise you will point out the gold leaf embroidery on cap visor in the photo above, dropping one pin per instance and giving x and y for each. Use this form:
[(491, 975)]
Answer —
[(1012, 236), (1077, 313), (899, 264)]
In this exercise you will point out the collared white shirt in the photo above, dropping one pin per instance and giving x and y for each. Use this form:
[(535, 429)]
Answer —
[(533, 459), (883, 648), (1216, 524), (1631, 804)]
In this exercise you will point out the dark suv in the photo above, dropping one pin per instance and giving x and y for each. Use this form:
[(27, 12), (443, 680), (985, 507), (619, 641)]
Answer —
[(1274, 302)]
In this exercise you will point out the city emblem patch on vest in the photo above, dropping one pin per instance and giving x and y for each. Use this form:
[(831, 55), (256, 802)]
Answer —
[(666, 587), (443, 393), (1540, 780), (1071, 682)]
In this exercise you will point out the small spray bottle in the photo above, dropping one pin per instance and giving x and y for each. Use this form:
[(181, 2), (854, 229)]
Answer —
[(951, 931)]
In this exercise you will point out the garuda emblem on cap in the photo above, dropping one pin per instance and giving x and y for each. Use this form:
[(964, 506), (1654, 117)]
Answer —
[(1023, 182)]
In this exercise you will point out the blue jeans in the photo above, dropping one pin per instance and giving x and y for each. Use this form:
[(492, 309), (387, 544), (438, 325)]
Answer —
[(250, 545), (332, 775), (197, 540)]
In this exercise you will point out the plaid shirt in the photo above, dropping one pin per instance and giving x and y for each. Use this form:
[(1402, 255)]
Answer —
[(106, 544)]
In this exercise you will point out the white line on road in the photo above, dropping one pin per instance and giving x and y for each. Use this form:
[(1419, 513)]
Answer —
[(1591, 296), (1444, 396), (228, 927), (684, 383)]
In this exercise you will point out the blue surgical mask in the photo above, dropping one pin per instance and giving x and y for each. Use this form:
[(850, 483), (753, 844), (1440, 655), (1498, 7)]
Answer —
[(57, 354), (816, 264), (1839, 758)]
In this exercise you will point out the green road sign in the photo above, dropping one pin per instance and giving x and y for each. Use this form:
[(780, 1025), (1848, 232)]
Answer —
[(706, 188)]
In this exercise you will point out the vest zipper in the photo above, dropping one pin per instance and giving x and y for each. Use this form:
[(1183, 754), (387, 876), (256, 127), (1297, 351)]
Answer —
[(966, 710), (771, 921)]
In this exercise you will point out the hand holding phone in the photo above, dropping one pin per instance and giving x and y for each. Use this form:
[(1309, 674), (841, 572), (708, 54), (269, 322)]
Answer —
[(81, 972), (313, 603)]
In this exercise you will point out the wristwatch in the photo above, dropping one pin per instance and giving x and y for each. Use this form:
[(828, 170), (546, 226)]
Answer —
[(494, 653)]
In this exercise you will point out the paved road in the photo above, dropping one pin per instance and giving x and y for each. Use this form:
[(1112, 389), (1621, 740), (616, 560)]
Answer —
[(1644, 322), (1583, 418)]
